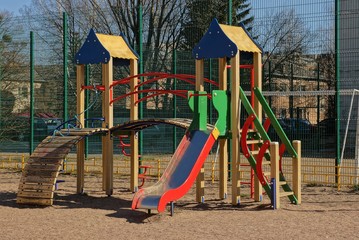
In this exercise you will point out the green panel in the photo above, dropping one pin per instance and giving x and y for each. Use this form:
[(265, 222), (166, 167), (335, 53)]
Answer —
[(220, 103), (197, 101), (278, 128)]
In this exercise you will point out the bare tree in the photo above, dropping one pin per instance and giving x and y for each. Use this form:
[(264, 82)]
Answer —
[(284, 38), (162, 21), (14, 91)]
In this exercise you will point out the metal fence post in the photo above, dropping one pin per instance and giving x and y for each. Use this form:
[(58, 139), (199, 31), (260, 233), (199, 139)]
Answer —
[(32, 98), (65, 66)]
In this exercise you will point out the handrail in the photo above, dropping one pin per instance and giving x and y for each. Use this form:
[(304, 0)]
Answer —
[(249, 109), (277, 127)]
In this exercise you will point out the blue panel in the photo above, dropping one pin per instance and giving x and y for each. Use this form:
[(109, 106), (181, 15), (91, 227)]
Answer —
[(92, 51), (214, 44)]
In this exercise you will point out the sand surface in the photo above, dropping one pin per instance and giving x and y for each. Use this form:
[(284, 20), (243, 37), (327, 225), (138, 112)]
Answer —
[(324, 214)]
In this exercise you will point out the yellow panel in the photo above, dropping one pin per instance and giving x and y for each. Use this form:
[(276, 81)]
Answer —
[(116, 46), (239, 36)]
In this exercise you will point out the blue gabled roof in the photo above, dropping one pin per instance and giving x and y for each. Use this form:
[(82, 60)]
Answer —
[(214, 44), (224, 41), (99, 48), (92, 51)]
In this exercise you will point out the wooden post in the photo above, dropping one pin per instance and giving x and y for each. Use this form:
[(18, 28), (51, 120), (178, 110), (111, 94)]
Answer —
[(274, 153), (257, 67), (80, 148), (235, 83), (223, 153), (296, 165), (134, 136), (200, 87), (107, 142)]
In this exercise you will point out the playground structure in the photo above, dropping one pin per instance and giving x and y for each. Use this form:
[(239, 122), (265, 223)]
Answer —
[(220, 42)]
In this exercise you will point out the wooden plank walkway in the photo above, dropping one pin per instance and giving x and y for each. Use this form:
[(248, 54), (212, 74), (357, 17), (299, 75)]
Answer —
[(37, 183)]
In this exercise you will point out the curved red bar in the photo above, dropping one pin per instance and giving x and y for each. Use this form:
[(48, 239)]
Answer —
[(260, 157), (281, 152), (161, 75), (244, 134), (266, 124), (161, 91)]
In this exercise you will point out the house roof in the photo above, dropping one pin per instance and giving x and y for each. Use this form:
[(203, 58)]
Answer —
[(224, 41), (98, 48)]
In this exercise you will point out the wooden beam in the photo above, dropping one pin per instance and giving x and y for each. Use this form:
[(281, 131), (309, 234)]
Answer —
[(235, 83), (274, 153), (223, 152), (133, 137), (200, 75), (200, 87), (257, 67), (297, 177), (80, 169), (107, 142)]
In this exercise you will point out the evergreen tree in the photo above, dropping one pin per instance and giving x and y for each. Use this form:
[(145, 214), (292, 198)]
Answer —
[(201, 12)]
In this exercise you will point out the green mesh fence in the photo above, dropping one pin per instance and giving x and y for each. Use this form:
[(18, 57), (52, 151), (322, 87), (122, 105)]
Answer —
[(300, 56)]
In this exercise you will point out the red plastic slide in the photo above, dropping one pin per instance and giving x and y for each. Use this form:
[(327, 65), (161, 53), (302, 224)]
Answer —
[(180, 173)]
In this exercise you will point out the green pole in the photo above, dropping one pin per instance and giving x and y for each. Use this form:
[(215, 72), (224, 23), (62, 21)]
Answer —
[(229, 12), (174, 70), (65, 66), (337, 85), (32, 99), (318, 107), (140, 71), (229, 144), (270, 81), (291, 89), (210, 91), (87, 97)]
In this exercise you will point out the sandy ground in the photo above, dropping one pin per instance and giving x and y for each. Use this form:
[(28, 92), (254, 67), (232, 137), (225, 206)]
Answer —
[(324, 214)]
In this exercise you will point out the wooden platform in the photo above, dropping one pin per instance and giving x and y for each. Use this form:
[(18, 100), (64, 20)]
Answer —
[(82, 131), (37, 183), (138, 125)]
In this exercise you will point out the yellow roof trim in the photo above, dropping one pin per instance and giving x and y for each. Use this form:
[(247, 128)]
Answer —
[(240, 37), (116, 46)]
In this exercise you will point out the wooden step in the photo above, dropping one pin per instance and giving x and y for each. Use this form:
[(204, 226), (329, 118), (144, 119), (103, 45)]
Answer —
[(35, 194), (254, 141), (46, 160), (36, 187), (49, 155), (82, 131), (34, 201), (255, 152), (249, 130), (40, 173), (285, 194), (42, 167), (57, 144), (46, 149), (37, 179), (281, 183), (57, 139)]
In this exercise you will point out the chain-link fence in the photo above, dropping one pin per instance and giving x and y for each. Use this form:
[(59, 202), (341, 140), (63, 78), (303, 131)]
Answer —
[(307, 47)]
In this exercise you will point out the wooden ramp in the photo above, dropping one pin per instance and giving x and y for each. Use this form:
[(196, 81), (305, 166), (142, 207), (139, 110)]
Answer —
[(37, 183)]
